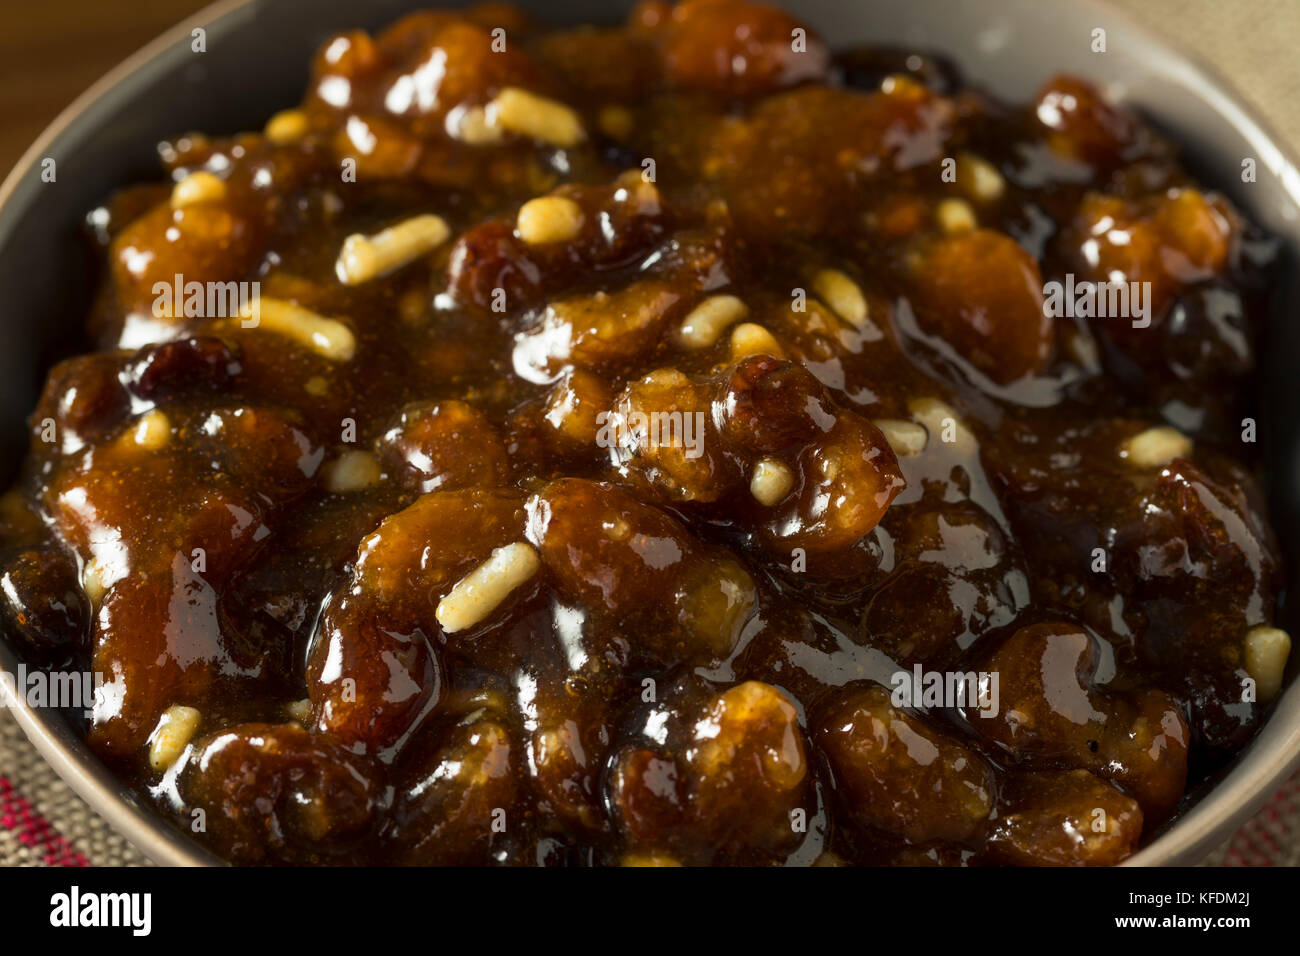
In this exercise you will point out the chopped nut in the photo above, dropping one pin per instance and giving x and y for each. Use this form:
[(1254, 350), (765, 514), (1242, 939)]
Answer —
[(169, 739), (980, 178), (363, 258), (940, 419), (667, 377), (200, 186), (95, 581), (1267, 650), (480, 592), (470, 124), (329, 338), (707, 321), (353, 470), (299, 710), (316, 386), (905, 437), (152, 431), (616, 122), (286, 127), (1156, 447), (528, 114), (749, 338), (955, 215), (771, 482), (842, 294), (549, 219)]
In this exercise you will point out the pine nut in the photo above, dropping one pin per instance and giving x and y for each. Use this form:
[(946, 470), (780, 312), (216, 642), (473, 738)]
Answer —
[(842, 294), (328, 337), (707, 321), (152, 431), (286, 127), (353, 470), (480, 592), (549, 219), (1156, 447), (363, 258), (470, 124), (528, 114), (299, 710), (940, 419), (956, 216), (905, 437), (980, 177), (95, 581), (771, 482), (647, 859), (1267, 650), (749, 338), (200, 186), (169, 739)]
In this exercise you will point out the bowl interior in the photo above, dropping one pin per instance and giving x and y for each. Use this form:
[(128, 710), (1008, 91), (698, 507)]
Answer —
[(255, 63)]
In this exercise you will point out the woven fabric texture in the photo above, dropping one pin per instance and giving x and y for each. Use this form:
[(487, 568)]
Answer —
[(43, 823)]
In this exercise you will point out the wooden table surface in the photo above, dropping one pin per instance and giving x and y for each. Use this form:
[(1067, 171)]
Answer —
[(51, 50)]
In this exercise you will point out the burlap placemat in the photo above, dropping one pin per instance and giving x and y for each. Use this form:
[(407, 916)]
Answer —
[(43, 823)]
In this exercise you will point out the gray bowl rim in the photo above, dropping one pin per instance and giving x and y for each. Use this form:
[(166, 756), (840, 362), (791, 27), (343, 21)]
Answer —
[(1271, 757)]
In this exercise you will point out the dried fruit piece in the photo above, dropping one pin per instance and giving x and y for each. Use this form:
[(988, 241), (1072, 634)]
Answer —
[(983, 294), (1067, 818), (901, 775), (276, 793)]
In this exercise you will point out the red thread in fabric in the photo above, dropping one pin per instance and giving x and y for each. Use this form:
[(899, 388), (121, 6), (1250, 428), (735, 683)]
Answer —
[(1265, 838), (33, 830)]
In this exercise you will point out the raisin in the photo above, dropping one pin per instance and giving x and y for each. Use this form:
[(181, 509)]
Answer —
[(159, 372), (43, 605)]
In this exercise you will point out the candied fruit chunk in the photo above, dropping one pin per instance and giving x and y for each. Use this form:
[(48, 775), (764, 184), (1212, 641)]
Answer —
[(444, 446), (733, 787), (899, 774), (983, 294), (459, 798), (1050, 714), (737, 48), (43, 605), (1082, 124), (1171, 241), (632, 564), (1064, 818), (374, 673), (276, 793)]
